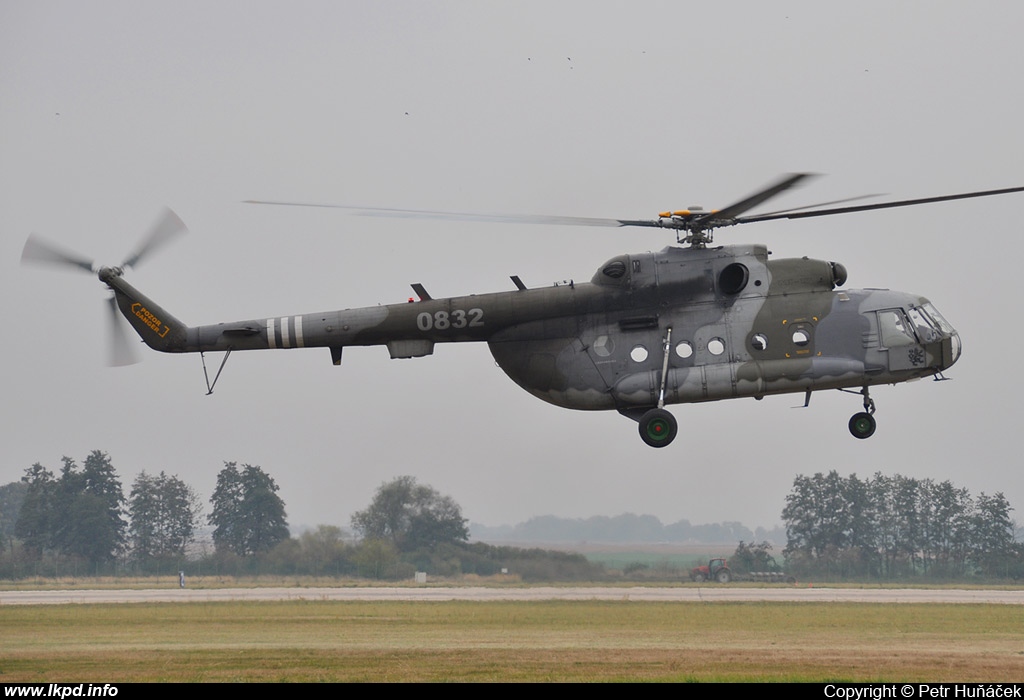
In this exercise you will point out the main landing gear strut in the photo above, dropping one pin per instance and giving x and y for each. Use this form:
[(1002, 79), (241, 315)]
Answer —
[(657, 426)]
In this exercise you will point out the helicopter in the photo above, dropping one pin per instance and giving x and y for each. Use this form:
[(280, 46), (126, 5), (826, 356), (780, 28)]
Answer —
[(691, 323)]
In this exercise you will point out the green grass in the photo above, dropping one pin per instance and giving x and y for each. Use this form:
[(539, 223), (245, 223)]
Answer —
[(476, 641)]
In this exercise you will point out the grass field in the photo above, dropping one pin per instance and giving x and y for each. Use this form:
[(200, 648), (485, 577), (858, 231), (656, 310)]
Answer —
[(511, 641)]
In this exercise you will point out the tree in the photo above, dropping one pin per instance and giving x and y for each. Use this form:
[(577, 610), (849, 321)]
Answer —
[(164, 514), (248, 515), (897, 526), (753, 557), (226, 502), (322, 551), (411, 516), (375, 558), (947, 527), (12, 495), (89, 533), (820, 517), (80, 513), (992, 534), (35, 518), (91, 505), (323, 542)]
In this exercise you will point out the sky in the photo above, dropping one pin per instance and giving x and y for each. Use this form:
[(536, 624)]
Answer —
[(111, 110)]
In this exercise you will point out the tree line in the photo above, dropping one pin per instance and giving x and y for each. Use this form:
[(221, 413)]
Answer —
[(79, 521), (896, 526)]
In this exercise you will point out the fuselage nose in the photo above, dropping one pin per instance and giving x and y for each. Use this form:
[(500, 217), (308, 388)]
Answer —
[(949, 346), (953, 341)]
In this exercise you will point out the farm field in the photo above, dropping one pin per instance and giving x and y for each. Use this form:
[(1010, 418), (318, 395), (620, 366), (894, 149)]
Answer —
[(314, 640)]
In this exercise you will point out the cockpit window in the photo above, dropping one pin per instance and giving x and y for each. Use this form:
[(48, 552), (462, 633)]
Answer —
[(935, 316), (894, 329), (926, 329)]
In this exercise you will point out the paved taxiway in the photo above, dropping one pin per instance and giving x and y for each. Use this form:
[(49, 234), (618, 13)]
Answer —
[(804, 594)]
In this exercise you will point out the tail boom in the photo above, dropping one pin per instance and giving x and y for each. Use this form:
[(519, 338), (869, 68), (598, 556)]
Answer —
[(157, 328), (407, 330)]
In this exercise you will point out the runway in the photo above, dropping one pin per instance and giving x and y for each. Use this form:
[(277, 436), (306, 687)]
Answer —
[(682, 594)]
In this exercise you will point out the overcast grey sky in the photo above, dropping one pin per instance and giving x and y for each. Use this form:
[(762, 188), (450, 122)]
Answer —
[(110, 110)]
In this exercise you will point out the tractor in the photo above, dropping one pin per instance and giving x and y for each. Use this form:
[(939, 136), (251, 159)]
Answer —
[(714, 570)]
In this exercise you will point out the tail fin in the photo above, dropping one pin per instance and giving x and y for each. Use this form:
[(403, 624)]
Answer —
[(157, 328)]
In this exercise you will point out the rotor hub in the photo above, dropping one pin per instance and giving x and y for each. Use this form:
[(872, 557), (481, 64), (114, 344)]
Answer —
[(108, 273)]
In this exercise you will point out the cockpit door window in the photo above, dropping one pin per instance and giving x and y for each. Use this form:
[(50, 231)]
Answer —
[(897, 334), (894, 329)]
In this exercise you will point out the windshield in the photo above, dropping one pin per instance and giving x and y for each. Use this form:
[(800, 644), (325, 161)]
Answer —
[(935, 316), (927, 330)]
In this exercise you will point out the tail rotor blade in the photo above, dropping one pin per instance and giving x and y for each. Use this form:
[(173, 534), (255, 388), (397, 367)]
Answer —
[(122, 351), (40, 251), (166, 228)]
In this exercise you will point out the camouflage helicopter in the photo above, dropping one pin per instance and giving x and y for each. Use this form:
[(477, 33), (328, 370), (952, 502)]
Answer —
[(693, 322)]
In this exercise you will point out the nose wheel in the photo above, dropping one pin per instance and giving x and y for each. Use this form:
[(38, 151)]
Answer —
[(862, 425)]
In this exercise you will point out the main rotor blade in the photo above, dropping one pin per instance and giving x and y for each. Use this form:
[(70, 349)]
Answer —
[(39, 250), (734, 210), (464, 216), (880, 205), (122, 351), (167, 227), (820, 204)]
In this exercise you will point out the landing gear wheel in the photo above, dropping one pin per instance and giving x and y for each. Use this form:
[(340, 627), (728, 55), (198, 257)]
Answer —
[(658, 427), (862, 425)]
